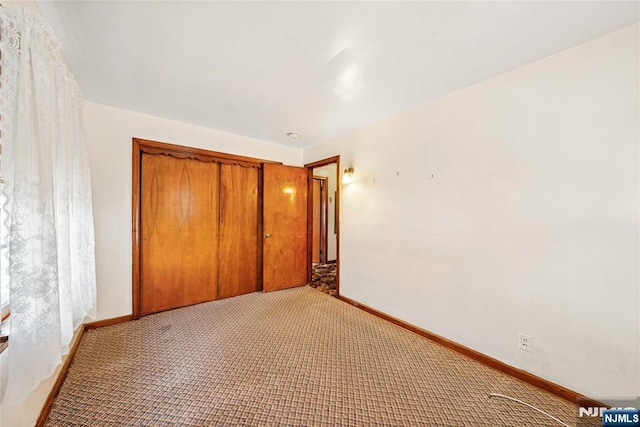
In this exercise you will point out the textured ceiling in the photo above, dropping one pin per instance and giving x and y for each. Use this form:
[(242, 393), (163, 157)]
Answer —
[(321, 69)]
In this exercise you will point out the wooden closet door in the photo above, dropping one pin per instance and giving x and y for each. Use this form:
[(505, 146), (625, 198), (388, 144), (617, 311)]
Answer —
[(239, 238), (179, 227), (284, 207)]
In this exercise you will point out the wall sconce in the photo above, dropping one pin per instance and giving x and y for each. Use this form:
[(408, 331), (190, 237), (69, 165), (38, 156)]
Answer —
[(347, 177)]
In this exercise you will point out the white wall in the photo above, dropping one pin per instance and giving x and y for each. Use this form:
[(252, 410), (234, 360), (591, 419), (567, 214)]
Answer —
[(330, 172), (109, 132), (509, 206)]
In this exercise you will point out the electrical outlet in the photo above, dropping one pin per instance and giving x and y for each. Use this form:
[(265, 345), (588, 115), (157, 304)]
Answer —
[(524, 342)]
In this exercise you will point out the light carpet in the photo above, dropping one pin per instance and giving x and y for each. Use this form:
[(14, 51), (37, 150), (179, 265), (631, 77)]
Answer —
[(289, 358)]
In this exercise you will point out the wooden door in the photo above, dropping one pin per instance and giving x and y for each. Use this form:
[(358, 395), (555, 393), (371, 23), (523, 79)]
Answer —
[(239, 238), (285, 227), (179, 227)]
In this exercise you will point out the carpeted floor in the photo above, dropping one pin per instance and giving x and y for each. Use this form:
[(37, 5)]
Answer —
[(286, 358), (323, 278)]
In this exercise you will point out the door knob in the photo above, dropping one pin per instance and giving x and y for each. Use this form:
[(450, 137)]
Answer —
[(267, 235)]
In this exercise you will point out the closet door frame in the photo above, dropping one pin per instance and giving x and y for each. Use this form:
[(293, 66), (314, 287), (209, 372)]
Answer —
[(141, 146)]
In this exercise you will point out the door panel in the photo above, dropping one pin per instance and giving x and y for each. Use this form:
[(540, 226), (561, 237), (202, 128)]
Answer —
[(285, 227), (179, 198), (239, 239), (317, 212)]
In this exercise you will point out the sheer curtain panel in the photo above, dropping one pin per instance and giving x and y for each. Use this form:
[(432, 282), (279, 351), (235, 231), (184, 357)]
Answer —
[(49, 221)]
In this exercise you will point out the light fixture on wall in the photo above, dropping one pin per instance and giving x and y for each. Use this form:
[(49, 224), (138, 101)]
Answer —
[(347, 177)]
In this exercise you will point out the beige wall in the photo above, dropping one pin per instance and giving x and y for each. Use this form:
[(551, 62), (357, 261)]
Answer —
[(509, 206), (109, 132)]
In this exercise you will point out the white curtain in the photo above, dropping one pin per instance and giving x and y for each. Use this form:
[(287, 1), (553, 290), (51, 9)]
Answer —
[(44, 165)]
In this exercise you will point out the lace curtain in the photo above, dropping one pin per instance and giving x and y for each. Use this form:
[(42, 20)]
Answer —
[(49, 218)]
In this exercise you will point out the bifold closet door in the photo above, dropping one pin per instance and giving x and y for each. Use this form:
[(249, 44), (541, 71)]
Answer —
[(239, 238), (179, 228)]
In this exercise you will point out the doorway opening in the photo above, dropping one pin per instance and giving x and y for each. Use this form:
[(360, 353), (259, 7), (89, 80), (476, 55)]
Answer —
[(320, 235), (323, 225)]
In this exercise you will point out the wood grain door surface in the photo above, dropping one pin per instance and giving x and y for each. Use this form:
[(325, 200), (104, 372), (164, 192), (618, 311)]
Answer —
[(179, 227), (239, 238), (285, 226)]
